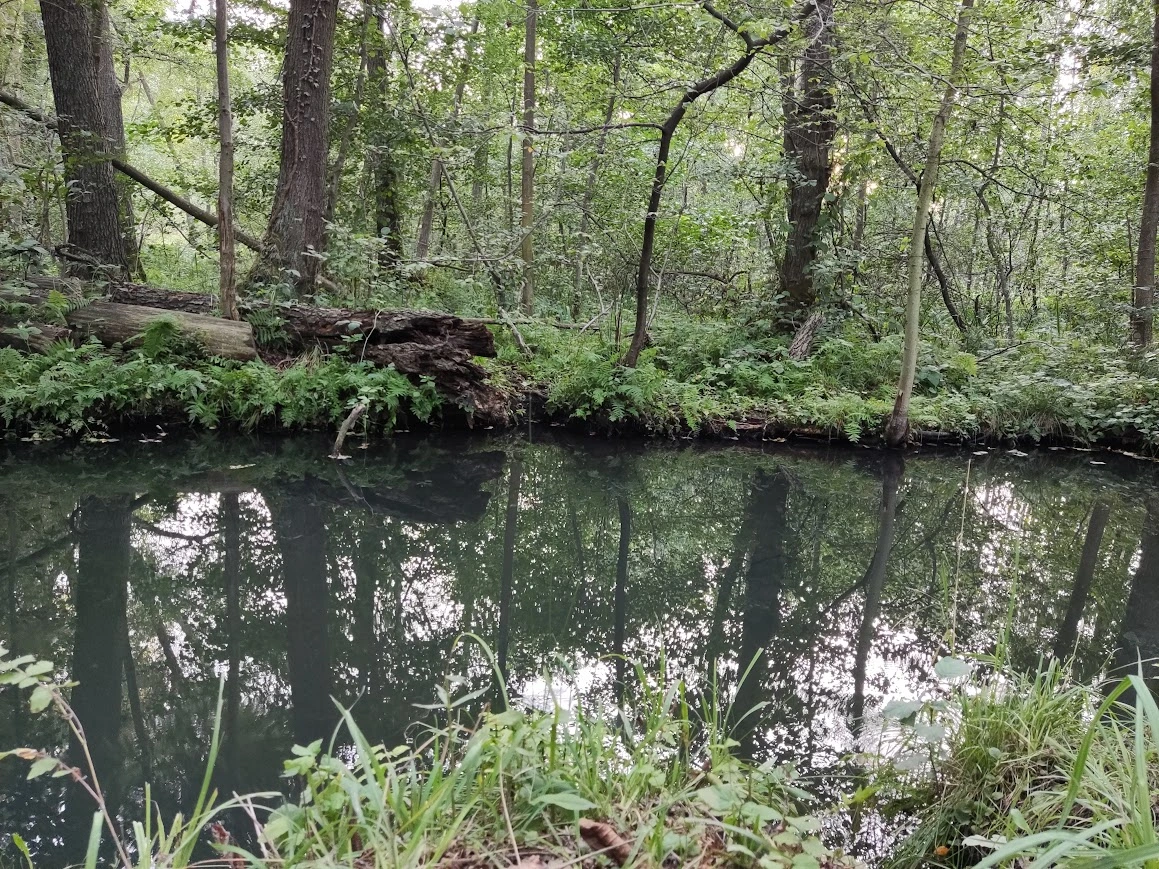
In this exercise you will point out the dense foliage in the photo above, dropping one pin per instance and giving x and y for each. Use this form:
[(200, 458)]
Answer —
[(1030, 265)]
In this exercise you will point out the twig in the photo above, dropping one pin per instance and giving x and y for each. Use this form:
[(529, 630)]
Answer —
[(523, 348), (344, 430)]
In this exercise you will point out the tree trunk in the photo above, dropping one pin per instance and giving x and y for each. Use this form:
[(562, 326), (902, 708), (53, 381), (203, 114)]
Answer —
[(1142, 317), (753, 46), (527, 171), (875, 575), (226, 257), (1064, 644), (231, 542), (384, 172), (114, 323), (582, 239), (507, 571), (92, 202), (114, 132), (100, 594), (620, 602), (300, 531), (897, 427), (810, 127), (1139, 629), (296, 234)]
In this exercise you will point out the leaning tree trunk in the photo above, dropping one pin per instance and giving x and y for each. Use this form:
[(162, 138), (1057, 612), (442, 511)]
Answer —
[(92, 211), (897, 428), (1142, 317), (810, 127), (296, 233), (753, 46)]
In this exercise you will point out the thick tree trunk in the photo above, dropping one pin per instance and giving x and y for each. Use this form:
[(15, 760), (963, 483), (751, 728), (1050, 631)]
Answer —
[(897, 427), (527, 170), (296, 233), (113, 323), (810, 127), (227, 292), (1142, 317), (92, 204), (114, 132), (100, 594)]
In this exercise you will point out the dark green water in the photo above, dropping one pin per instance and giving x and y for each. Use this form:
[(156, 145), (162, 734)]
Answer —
[(147, 571)]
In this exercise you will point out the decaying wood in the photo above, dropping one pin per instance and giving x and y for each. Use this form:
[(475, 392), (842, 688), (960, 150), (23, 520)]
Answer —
[(114, 323), (37, 341), (418, 344), (604, 838), (344, 430), (802, 344)]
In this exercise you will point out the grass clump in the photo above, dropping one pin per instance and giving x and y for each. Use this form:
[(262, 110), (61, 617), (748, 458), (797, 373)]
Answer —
[(657, 783), (1035, 770)]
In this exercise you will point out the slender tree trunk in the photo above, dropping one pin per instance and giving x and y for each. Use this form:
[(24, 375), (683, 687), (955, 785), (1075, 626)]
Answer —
[(1064, 644), (875, 575), (227, 295), (384, 170), (296, 233), (721, 77), (897, 428), (527, 170), (582, 239), (507, 572), (92, 204), (231, 541), (810, 127), (1142, 317), (620, 598)]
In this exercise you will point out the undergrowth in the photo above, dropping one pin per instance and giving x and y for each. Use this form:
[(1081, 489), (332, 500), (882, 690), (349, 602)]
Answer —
[(656, 783)]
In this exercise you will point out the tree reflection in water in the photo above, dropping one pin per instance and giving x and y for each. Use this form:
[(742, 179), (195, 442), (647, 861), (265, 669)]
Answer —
[(148, 573)]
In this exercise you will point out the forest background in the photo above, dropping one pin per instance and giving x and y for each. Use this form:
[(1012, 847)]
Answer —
[(903, 218)]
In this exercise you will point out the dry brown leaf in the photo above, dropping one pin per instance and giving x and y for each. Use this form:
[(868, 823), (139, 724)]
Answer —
[(604, 838)]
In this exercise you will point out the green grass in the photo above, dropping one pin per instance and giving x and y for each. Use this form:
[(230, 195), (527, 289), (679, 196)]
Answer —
[(1036, 770), (656, 782)]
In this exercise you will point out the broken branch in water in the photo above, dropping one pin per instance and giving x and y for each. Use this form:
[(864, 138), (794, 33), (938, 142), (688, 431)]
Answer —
[(344, 430)]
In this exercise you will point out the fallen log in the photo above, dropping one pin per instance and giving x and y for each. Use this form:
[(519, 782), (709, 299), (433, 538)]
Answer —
[(33, 338), (115, 323), (419, 344)]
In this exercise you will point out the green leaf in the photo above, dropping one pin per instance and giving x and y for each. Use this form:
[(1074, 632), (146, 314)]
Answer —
[(900, 710), (567, 801), (41, 697), (952, 668), (40, 767)]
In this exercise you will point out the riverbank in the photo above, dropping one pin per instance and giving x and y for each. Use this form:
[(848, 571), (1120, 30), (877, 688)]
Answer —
[(697, 380)]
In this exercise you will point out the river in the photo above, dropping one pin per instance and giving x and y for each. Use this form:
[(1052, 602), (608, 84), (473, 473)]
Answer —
[(830, 579)]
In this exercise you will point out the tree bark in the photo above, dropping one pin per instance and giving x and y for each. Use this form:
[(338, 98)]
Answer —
[(227, 291), (296, 235), (753, 46), (114, 132), (897, 427), (384, 171), (1142, 317), (810, 127), (527, 170), (92, 202)]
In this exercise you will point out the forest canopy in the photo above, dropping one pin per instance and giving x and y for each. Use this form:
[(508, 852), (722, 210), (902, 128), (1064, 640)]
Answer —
[(809, 211)]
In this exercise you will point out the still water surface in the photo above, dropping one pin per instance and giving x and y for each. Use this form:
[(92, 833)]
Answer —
[(150, 571)]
